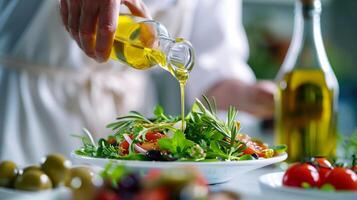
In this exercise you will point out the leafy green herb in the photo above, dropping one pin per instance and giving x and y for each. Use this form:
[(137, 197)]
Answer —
[(279, 149), (349, 145), (206, 137), (177, 145), (246, 157)]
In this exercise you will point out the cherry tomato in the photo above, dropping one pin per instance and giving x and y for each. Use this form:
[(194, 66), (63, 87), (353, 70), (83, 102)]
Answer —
[(342, 179), (323, 166), (160, 193), (153, 174), (301, 173), (107, 195), (153, 136)]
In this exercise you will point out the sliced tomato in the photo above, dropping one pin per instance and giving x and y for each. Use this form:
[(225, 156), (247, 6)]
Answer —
[(153, 136), (124, 146), (342, 179), (249, 150), (149, 145)]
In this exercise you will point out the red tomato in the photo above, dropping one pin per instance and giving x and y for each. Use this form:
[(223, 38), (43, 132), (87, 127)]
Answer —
[(160, 193), (249, 150), (322, 162), (107, 195), (342, 179), (301, 173), (153, 174), (154, 136), (323, 166), (124, 146), (149, 145)]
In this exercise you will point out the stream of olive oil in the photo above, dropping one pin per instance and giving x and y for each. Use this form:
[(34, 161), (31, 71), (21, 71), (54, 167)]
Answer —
[(134, 45), (306, 115)]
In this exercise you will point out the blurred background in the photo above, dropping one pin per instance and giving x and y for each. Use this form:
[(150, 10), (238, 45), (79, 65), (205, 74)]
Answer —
[(269, 27)]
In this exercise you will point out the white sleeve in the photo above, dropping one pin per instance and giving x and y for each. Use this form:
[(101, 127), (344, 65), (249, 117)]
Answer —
[(221, 46)]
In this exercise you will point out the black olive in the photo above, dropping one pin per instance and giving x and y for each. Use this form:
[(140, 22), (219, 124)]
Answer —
[(130, 182), (255, 155), (154, 155), (128, 186), (168, 157)]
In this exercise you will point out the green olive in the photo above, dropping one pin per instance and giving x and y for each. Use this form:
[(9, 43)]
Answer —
[(56, 167), (8, 173), (33, 180), (32, 167), (83, 182)]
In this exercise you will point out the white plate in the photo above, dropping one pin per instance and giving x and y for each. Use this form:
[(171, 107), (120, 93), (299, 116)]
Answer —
[(60, 193), (214, 172), (272, 183)]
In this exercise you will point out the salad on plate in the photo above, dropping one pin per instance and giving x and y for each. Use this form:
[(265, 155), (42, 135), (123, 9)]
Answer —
[(201, 136)]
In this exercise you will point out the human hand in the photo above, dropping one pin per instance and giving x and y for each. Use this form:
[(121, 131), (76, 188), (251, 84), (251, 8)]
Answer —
[(260, 99), (92, 24), (256, 99)]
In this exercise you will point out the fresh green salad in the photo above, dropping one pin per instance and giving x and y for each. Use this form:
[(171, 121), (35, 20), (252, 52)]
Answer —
[(204, 137)]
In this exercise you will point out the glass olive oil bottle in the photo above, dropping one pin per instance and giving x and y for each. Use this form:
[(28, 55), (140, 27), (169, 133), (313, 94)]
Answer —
[(142, 44), (307, 97)]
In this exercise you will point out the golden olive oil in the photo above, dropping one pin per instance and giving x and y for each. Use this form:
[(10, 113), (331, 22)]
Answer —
[(136, 45), (306, 114)]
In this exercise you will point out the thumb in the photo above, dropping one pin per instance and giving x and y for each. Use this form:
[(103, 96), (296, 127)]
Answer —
[(138, 8)]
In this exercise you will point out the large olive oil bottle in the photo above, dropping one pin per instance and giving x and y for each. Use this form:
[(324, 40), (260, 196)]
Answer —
[(306, 102)]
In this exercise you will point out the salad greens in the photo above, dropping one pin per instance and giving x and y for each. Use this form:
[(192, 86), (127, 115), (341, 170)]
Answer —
[(204, 138)]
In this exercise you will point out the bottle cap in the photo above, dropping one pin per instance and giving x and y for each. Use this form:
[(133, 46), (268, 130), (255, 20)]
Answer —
[(310, 6), (307, 2), (310, 2)]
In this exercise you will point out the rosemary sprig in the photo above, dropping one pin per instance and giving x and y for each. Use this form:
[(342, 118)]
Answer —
[(206, 137)]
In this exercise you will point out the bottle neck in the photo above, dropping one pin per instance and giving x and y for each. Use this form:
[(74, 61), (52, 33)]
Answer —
[(307, 49)]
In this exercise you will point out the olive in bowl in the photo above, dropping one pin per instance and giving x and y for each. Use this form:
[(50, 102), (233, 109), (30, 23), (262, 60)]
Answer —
[(8, 173), (56, 166), (33, 180)]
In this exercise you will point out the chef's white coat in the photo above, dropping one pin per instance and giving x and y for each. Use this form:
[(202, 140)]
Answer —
[(49, 89)]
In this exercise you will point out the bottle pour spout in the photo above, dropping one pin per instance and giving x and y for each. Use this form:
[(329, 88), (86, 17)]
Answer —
[(180, 58)]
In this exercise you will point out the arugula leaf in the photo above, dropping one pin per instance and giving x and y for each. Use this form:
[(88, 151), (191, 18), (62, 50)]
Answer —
[(177, 145)]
